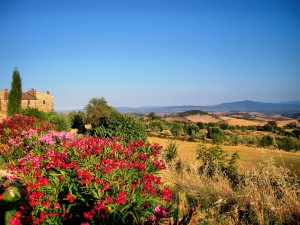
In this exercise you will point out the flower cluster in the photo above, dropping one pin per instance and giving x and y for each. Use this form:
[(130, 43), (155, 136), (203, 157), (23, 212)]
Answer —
[(87, 180)]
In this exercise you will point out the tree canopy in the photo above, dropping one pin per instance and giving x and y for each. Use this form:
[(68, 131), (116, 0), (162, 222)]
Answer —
[(96, 108)]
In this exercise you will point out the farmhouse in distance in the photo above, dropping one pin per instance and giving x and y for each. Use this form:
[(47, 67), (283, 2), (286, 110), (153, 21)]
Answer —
[(30, 99)]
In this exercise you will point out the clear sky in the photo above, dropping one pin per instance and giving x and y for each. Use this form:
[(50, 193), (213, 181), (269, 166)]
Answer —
[(153, 52)]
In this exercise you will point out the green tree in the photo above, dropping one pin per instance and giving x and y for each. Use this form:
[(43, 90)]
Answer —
[(96, 108), (156, 125), (153, 116), (176, 129), (216, 134), (15, 95)]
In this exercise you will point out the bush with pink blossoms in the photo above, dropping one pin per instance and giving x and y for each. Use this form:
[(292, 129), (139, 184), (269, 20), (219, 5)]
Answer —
[(90, 181), (15, 125)]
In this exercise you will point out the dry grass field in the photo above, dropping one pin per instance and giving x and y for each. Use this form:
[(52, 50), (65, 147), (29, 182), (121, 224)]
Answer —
[(266, 197), (203, 119), (237, 120), (250, 157)]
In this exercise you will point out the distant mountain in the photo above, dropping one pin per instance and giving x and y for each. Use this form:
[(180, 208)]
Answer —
[(240, 106)]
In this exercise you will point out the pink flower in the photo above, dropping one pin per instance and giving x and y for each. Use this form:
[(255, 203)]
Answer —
[(160, 211), (56, 206)]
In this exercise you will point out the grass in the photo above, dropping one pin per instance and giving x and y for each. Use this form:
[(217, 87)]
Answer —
[(266, 194), (250, 157)]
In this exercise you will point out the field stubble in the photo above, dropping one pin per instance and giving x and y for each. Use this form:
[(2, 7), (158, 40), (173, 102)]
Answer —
[(267, 194)]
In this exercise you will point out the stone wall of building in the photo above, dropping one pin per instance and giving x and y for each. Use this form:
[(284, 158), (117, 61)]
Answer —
[(32, 98), (3, 101), (43, 102)]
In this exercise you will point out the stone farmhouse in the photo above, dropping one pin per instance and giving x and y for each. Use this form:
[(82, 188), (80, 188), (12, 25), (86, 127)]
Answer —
[(30, 99)]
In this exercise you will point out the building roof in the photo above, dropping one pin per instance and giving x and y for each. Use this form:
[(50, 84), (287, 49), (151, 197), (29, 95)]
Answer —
[(25, 96)]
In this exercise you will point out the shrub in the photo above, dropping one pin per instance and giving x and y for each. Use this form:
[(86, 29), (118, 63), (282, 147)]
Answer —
[(296, 132), (266, 141), (35, 112), (77, 123), (13, 126), (123, 125), (61, 121), (191, 128), (216, 134), (214, 160), (90, 180), (156, 125), (287, 143), (170, 152), (176, 129)]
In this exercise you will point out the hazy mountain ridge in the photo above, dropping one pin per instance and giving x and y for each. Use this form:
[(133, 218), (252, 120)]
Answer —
[(240, 106)]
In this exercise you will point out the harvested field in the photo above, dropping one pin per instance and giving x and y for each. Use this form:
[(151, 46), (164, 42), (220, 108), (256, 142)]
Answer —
[(249, 156), (202, 118), (241, 122)]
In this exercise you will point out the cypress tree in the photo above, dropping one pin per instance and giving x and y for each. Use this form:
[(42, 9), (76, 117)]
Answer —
[(15, 95)]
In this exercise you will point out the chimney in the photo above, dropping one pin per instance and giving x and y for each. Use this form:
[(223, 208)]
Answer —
[(5, 90), (32, 92), (48, 92)]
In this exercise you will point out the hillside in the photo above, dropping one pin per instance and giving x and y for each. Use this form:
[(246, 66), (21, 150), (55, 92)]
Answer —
[(288, 108)]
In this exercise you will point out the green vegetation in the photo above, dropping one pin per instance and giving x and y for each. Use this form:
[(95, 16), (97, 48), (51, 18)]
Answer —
[(36, 113), (96, 108), (15, 95), (192, 112), (60, 120), (170, 152), (116, 124)]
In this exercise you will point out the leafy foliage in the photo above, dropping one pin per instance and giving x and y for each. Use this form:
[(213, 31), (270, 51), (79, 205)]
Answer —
[(192, 112), (176, 129), (122, 125), (156, 125), (216, 134), (61, 121), (65, 180), (266, 140), (35, 112), (170, 152), (15, 95), (96, 108), (214, 159), (77, 122), (287, 143)]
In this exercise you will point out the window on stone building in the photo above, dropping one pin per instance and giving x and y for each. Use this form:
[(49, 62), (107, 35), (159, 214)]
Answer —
[(44, 102), (28, 102)]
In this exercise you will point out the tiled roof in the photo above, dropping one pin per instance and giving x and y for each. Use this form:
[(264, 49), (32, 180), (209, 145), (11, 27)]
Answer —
[(25, 96)]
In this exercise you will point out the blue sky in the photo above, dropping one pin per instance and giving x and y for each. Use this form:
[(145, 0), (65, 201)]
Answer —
[(153, 52)]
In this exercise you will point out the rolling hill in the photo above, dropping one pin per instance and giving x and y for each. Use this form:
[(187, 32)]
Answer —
[(289, 108)]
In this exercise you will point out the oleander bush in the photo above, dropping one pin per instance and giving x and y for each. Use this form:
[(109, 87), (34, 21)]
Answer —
[(86, 180)]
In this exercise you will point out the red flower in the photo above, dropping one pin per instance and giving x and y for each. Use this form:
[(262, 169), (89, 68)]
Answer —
[(166, 194), (108, 199), (121, 199), (15, 221), (46, 203), (70, 197), (89, 215), (42, 181)]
